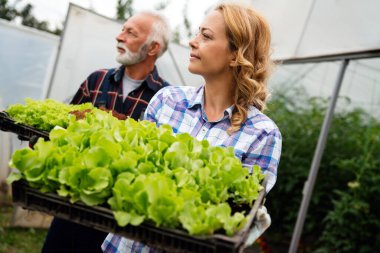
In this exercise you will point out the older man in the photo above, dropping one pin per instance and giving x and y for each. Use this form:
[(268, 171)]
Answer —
[(126, 91)]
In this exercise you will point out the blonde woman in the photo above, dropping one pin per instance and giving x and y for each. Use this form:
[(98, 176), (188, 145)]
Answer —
[(232, 53)]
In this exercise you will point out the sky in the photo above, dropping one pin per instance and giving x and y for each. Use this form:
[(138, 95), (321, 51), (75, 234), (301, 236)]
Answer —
[(54, 11)]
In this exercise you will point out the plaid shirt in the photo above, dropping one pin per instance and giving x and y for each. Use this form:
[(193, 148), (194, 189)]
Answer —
[(136, 102), (257, 142)]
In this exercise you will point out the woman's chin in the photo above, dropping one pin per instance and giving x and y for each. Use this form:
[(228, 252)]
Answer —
[(193, 70)]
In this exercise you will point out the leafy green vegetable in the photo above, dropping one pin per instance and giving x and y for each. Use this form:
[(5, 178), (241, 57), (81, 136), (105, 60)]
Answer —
[(44, 115), (142, 172)]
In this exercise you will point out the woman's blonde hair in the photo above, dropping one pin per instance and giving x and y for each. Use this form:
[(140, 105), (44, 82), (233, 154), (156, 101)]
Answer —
[(249, 36)]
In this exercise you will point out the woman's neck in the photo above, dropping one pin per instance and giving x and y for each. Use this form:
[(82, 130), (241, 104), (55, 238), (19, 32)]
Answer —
[(219, 95)]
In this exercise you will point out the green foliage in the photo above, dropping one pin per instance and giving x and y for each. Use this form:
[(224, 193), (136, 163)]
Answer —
[(343, 212), (124, 10), (7, 12), (176, 35), (186, 21), (162, 5), (18, 239), (143, 172), (26, 14), (29, 20), (353, 225), (44, 115)]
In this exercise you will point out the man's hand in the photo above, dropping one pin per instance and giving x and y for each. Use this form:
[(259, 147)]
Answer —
[(117, 115), (80, 114), (261, 224)]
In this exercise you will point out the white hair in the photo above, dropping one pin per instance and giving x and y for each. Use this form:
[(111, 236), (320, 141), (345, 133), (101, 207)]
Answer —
[(160, 31)]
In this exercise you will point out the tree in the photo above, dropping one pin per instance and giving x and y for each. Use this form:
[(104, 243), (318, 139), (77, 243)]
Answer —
[(7, 12), (124, 9), (186, 22), (26, 14), (176, 35), (162, 5), (29, 20)]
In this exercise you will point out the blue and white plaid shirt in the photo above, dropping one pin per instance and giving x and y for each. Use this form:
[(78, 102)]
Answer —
[(257, 142)]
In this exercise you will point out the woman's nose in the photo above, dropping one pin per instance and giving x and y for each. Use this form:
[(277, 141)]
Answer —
[(192, 42)]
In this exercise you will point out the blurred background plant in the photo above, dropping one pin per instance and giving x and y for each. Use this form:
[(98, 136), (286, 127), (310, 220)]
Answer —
[(343, 215), (18, 239)]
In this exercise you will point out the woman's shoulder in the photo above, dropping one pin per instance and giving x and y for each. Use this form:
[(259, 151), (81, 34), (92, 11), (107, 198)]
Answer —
[(178, 92), (259, 120)]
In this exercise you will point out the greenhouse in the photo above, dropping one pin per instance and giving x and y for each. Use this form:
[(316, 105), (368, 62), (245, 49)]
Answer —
[(325, 99)]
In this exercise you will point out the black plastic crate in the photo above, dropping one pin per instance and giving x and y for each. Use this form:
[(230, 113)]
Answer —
[(24, 132), (169, 240)]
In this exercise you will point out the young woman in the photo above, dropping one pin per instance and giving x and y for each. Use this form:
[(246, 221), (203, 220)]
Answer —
[(232, 53)]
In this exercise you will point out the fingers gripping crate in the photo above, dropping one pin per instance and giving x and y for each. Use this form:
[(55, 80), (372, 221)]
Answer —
[(24, 132), (101, 218)]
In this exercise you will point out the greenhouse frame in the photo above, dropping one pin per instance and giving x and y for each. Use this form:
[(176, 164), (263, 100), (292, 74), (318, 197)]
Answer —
[(340, 66)]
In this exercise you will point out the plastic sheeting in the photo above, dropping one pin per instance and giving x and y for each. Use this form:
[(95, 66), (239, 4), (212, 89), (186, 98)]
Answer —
[(360, 87), (89, 43), (26, 57), (304, 28), (173, 66), (26, 63)]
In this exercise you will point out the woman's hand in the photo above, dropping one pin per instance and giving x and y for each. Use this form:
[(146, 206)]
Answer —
[(261, 224)]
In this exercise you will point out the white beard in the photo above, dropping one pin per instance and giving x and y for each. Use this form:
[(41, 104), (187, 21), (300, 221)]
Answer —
[(129, 58)]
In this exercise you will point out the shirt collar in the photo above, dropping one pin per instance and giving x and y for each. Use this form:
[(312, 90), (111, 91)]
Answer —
[(153, 80), (228, 112), (198, 100), (117, 74)]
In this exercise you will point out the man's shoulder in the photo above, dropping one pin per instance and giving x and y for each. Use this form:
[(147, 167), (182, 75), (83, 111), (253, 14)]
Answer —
[(103, 71), (155, 81), (165, 83), (101, 75)]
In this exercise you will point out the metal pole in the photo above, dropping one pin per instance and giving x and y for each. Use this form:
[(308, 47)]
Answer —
[(306, 23), (48, 91), (309, 184)]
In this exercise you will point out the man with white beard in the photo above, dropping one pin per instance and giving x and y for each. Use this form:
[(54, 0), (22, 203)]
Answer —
[(126, 91)]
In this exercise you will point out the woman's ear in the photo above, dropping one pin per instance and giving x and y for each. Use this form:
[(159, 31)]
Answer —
[(233, 59), (154, 48)]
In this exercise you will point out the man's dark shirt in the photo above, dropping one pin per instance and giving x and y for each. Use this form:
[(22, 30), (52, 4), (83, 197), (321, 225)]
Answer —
[(136, 101)]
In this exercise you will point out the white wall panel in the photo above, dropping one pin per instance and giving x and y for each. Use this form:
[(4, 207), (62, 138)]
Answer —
[(89, 43)]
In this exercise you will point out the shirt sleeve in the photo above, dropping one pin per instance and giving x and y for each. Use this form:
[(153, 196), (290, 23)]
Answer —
[(117, 244), (152, 112), (266, 153), (83, 93)]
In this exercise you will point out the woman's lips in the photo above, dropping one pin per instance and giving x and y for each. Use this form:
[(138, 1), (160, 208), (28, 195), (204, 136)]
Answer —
[(194, 57)]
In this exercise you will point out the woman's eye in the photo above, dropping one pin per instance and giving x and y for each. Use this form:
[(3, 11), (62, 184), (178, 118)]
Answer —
[(206, 36)]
